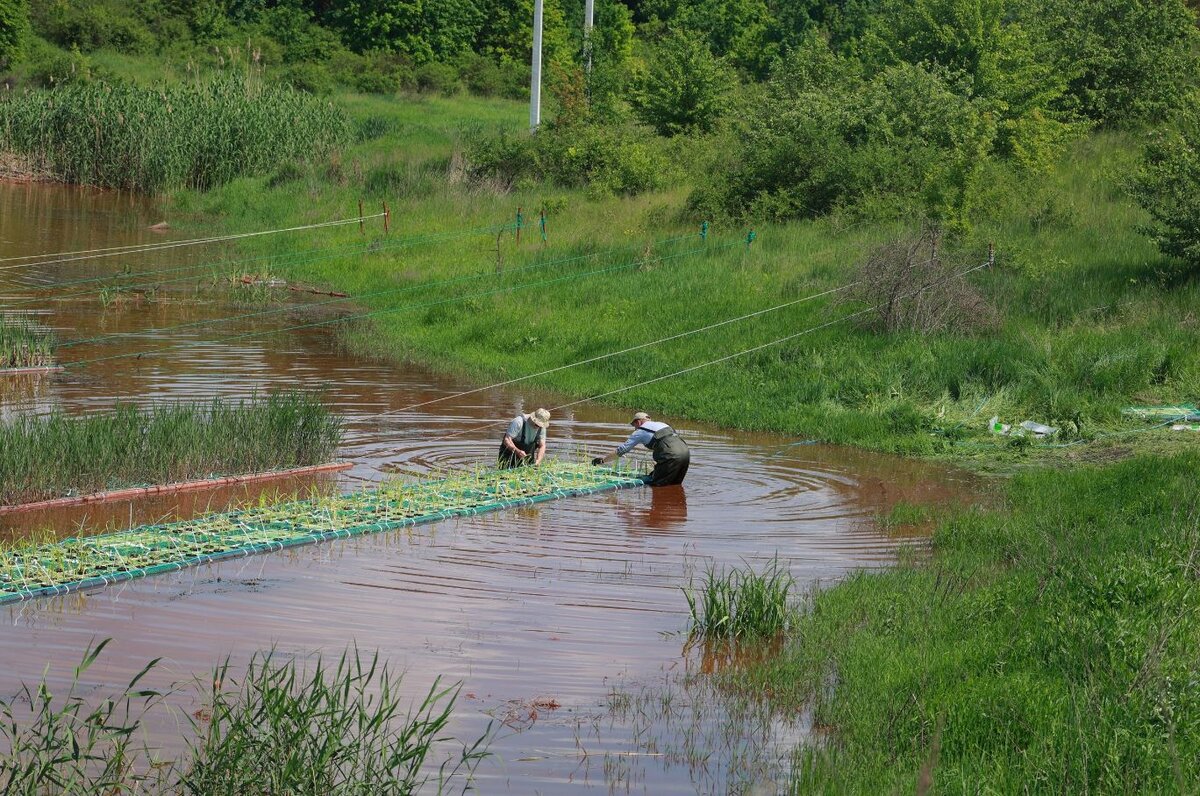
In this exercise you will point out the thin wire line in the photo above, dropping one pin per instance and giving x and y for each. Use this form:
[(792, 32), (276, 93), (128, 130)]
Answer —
[(370, 246), (611, 354), (114, 251), (760, 347), (507, 289), (338, 300)]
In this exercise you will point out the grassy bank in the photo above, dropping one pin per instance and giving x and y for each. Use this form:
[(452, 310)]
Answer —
[(1088, 316), (24, 345), (285, 726), (1049, 645), (57, 455)]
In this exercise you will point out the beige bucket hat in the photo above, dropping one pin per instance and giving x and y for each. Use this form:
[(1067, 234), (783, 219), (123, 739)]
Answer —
[(639, 416), (540, 418)]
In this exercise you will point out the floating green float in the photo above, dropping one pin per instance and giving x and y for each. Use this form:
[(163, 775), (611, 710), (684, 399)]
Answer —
[(77, 563)]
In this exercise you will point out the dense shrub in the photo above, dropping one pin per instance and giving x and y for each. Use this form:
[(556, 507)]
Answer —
[(1168, 186), (435, 78), (14, 29), (489, 78), (606, 159), (91, 26), (825, 138), (1127, 60)]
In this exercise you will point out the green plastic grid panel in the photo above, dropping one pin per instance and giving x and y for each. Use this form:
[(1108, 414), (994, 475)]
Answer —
[(82, 563)]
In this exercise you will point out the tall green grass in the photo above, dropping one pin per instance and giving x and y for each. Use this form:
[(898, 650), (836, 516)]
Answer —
[(190, 136), (24, 345), (741, 603), (57, 455), (281, 728)]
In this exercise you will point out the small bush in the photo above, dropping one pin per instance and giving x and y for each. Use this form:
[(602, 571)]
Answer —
[(310, 78), (488, 78), (437, 78), (607, 160)]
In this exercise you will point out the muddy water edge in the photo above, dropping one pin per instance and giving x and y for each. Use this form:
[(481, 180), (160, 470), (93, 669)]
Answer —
[(560, 621)]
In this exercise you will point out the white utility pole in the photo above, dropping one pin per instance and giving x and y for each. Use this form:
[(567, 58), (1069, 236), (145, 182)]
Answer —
[(535, 83), (589, 14)]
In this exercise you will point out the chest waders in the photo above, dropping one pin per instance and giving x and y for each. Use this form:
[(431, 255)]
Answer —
[(671, 457), (527, 441)]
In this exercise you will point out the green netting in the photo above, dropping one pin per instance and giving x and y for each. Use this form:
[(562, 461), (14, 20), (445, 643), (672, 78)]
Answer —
[(92, 561)]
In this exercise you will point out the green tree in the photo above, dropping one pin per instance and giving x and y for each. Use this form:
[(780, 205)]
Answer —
[(685, 86), (1008, 67), (14, 29), (907, 139), (1168, 186), (508, 33), (1128, 60), (385, 25), (452, 26)]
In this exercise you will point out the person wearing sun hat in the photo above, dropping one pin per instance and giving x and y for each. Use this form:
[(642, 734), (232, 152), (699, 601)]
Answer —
[(524, 442), (671, 454)]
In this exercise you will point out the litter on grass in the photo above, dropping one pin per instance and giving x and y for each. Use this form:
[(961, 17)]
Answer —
[(1187, 413), (61, 566), (1038, 430)]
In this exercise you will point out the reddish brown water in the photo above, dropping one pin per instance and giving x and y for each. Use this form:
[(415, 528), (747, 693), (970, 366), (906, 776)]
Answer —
[(558, 604)]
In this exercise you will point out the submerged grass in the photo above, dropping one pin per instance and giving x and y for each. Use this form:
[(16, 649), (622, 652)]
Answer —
[(58, 455), (282, 727), (25, 345), (741, 603)]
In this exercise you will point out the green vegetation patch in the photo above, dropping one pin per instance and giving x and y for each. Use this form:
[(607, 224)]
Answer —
[(58, 455), (31, 568), (1049, 645), (25, 345), (192, 136), (285, 725)]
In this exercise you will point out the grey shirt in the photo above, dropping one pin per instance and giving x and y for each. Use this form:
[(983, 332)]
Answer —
[(518, 422)]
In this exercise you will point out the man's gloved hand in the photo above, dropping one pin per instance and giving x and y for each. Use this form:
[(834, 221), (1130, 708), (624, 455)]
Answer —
[(598, 460)]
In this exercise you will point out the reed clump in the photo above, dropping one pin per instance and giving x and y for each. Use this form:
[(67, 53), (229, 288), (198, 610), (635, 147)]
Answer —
[(152, 140), (281, 728), (25, 345), (59, 455), (742, 603)]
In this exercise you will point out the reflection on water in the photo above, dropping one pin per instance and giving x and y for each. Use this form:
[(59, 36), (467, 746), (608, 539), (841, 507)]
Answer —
[(556, 603)]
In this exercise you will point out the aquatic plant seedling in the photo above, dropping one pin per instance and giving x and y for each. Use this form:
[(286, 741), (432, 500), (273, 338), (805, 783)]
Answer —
[(37, 569), (59, 455), (24, 344), (740, 602)]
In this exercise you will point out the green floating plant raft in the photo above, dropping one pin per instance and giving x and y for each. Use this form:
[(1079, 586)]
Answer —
[(40, 570)]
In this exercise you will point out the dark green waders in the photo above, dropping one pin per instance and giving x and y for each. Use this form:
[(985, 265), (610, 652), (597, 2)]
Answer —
[(527, 442), (671, 458)]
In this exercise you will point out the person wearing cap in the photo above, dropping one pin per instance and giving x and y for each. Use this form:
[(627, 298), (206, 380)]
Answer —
[(525, 441), (670, 452)]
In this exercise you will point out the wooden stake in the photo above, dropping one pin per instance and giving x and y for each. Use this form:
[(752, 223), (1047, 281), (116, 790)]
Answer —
[(387, 219), (361, 229), (991, 255)]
